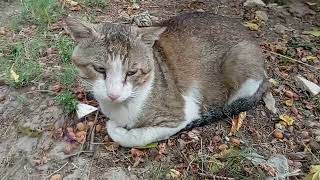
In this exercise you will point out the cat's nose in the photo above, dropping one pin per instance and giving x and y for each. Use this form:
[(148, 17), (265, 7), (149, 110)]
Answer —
[(113, 97)]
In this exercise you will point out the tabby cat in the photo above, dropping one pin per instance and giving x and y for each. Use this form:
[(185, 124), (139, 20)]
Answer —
[(153, 82)]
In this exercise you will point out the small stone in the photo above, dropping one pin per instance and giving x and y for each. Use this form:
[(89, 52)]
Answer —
[(90, 124), (56, 88), (98, 128), (280, 29), (270, 102), (223, 147), (317, 138), (262, 15), (305, 134), (216, 139), (294, 110), (250, 3), (67, 149), (135, 6), (279, 126), (235, 141), (2, 98), (289, 94), (307, 85), (278, 134), (56, 177)]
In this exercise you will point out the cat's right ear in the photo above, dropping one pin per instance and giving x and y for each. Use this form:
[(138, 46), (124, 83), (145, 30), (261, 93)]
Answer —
[(80, 30)]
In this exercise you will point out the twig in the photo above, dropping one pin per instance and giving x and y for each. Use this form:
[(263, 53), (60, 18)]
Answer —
[(41, 90), (311, 152), (92, 132), (292, 59), (57, 170), (214, 176), (77, 153)]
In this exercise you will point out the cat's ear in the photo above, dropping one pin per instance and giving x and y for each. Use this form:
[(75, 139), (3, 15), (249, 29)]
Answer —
[(80, 30), (150, 34)]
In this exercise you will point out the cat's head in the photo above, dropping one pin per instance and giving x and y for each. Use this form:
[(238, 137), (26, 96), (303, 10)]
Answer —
[(116, 60)]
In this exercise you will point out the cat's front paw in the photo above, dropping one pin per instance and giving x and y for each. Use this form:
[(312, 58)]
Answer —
[(119, 134)]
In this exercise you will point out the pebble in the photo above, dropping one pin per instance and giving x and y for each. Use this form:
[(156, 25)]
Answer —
[(250, 3), (56, 177), (279, 126), (223, 147), (280, 29), (305, 134), (278, 134), (262, 15), (317, 138), (2, 98), (216, 139)]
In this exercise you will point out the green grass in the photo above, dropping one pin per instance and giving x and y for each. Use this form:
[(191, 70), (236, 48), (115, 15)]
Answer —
[(95, 3), (22, 58), (68, 101), (65, 46), (41, 12), (67, 76)]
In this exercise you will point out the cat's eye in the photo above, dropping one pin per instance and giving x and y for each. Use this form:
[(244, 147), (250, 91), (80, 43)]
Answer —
[(99, 69), (131, 73)]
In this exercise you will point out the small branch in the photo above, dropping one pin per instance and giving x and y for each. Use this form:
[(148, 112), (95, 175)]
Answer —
[(57, 170), (274, 53), (77, 153), (41, 90), (214, 176)]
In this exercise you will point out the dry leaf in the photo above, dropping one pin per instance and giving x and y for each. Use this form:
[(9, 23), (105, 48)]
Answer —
[(268, 169), (314, 173), (111, 146), (237, 122), (162, 148), (313, 33), (289, 102), (14, 76), (174, 174), (193, 136), (252, 26), (287, 119), (136, 152), (311, 58)]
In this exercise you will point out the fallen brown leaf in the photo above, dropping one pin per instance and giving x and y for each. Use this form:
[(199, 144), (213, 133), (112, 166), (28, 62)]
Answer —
[(136, 152), (237, 123)]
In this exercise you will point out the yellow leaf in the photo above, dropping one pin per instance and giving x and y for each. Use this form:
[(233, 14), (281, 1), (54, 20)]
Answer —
[(14, 76), (311, 58), (252, 26), (289, 102), (314, 173), (313, 33), (237, 122), (287, 119), (274, 82)]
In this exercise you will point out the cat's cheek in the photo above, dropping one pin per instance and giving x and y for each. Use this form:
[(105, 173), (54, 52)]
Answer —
[(99, 90), (126, 92)]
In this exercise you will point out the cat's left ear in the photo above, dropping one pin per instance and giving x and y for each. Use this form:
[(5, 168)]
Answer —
[(150, 34)]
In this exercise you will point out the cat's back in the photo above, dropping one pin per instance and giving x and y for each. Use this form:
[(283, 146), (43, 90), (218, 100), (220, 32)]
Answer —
[(206, 27)]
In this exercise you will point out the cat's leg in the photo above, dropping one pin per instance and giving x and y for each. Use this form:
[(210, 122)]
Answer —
[(243, 70), (140, 136)]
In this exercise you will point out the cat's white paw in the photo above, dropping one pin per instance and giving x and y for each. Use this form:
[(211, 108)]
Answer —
[(117, 134)]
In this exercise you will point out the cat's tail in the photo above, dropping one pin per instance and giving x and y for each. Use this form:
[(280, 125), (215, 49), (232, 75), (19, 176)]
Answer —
[(214, 113)]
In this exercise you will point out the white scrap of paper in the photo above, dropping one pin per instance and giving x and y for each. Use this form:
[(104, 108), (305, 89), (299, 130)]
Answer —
[(84, 109)]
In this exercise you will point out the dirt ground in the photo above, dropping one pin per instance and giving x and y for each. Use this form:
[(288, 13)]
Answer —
[(33, 134)]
